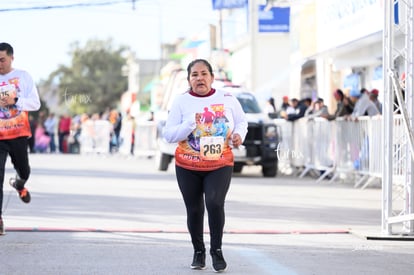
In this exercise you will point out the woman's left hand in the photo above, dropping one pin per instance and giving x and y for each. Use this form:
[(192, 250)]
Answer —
[(236, 140)]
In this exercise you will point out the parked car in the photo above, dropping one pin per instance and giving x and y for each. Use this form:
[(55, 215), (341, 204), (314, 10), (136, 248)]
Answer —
[(259, 147)]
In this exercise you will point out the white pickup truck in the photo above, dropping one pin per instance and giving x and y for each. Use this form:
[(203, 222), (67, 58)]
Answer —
[(259, 147)]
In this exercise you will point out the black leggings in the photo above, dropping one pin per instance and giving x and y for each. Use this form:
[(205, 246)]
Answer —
[(17, 149), (195, 186)]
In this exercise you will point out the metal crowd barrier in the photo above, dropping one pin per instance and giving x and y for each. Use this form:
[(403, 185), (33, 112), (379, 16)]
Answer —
[(95, 136), (284, 153), (300, 136), (135, 137), (145, 138), (138, 138), (346, 149)]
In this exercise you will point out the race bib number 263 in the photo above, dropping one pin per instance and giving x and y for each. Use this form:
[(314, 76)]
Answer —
[(211, 148)]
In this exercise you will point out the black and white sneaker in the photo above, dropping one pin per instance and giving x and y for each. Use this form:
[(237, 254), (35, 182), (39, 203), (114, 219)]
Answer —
[(199, 260), (219, 264)]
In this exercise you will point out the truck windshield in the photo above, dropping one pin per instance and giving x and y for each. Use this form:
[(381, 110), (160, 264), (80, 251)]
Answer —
[(248, 103)]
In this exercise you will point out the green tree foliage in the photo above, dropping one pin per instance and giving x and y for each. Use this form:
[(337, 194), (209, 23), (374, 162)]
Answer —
[(93, 82)]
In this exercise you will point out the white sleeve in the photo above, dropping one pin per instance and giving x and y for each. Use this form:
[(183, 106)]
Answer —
[(28, 98), (176, 128), (240, 121)]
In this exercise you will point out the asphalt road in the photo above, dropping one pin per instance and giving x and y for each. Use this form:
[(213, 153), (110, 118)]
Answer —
[(117, 215)]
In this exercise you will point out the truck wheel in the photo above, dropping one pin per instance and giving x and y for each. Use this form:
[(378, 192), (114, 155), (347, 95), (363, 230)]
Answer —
[(237, 168), (269, 170), (163, 160)]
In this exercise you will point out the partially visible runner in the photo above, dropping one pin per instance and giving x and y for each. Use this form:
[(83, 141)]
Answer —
[(18, 96), (206, 123)]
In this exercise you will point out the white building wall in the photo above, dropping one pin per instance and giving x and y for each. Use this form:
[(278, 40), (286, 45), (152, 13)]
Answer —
[(264, 66), (239, 65), (340, 22), (323, 69), (346, 36), (261, 61), (271, 69)]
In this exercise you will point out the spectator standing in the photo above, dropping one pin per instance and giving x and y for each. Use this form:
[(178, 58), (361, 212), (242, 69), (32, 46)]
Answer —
[(373, 95), (42, 139), (344, 105), (285, 103), (31, 140), (151, 116), (301, 108), (50, 129), (19, 96), (74, 136), (133, 138), (270, 107), (204, 159), (289, 109), (63, 132), (115, 118), (127, 134), (363, 105), (319, 109)]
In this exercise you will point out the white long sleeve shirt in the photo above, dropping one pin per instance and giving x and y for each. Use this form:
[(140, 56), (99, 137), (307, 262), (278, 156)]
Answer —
[(14, 121), (203, 126), (364, 106)]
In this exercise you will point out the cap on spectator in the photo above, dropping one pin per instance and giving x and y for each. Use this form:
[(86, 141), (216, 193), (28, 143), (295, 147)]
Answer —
[(355, 93), (338, 93), (374, 92), (285, 97)]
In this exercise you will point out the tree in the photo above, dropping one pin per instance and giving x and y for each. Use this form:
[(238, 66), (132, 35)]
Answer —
[(93, 82)]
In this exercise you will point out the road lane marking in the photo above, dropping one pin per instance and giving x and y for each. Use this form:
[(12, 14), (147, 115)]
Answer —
[(265, 263)]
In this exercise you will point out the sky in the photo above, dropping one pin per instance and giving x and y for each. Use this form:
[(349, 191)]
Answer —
[(41, 38)]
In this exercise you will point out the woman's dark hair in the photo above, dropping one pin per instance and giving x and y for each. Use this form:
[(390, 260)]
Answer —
[(6, 47), (340, 94), (192, 63)]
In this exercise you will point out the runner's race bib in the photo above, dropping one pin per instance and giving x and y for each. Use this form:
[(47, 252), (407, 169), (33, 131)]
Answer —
[(211, 148), (7, 91)]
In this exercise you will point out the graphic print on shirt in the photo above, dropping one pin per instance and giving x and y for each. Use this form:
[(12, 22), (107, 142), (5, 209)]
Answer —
[(13, 122), (211, 132), (8, 91)]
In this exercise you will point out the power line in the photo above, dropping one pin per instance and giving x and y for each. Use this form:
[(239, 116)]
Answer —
[(67, 6)]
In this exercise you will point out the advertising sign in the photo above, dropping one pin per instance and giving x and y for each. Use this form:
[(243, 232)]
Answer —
[(274, 20), (229, 4)]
